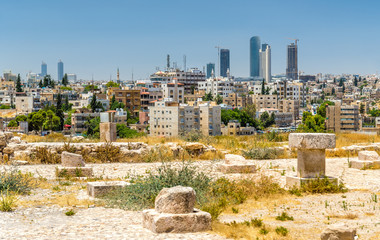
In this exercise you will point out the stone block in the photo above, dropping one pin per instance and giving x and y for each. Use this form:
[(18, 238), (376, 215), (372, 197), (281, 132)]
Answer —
[(368, 156), (237, 168), (98, 189), (71, 160), (312, 140), (107, 132), (195, 221), (359, 164), (311, 162), (175, 200), (231, 158), (294, 181), (338, 232), (74, 172)]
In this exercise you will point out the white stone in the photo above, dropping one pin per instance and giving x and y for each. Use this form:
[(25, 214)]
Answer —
[(233, 158), (312, 140), (72, 160), (100, 188), (368, 156), (338, 232), (175, 200)]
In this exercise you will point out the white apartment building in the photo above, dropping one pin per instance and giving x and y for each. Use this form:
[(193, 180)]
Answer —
[(174, 90), (168, 118), (217, 86), (265, 63)]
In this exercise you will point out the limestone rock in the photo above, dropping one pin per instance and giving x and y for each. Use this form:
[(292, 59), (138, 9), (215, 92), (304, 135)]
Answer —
[(232, 158), (19, 162), (368, 156), (312, 140), (338, 232), (8, 150), (98, 189), (16, 140), (175, 200), (77, 138), (195, 221), (194, 148), (72, 160)]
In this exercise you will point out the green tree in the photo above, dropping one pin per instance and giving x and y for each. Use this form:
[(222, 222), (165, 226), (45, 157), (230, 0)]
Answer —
[(341, 84), (40, 84), (93, 103), (263, 87), (36, 121), (355, 82), (21, 118), (18, 84), (311, 123), (125, 132), (92, 125), (322, 108), (218, 99), (207, 97), (250, 109), (361, 108), (12, 123), (51, 121), (333, 91), (65, 80), (112, 84), (59, 111)]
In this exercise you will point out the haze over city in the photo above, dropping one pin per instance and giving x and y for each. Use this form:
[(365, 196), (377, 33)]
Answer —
[(94, 38)]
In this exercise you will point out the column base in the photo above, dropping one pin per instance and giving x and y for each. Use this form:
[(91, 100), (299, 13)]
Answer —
[(294, 181), (360, 164)]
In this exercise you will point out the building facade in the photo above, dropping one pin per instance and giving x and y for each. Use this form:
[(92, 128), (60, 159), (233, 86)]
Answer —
[(342, 118), (224, 62), (292, 62), (60, 71), (210, 70), (265, 63)]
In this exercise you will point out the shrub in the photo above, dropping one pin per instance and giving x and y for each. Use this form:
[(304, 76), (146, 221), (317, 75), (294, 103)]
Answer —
[(7, 201), (14, 181), (160, 153), (284, 217), (108, 153), (44, 155), (319, 185), (125, 132), (262, 153), (264, 230), (192, 136), (70, 212), (282, 231)]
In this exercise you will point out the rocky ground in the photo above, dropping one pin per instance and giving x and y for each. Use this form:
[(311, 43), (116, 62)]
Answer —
[(41, 215)]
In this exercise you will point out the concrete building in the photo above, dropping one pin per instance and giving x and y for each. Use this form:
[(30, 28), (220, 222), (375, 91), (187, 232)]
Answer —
[(189, 79), (234, 128), (237, 100), (174, 90), (168, 118), (217, 86), (342, 118), (264, 101), (292, 61), (130, 98), (43, 69), (289, 106), (265, 63)]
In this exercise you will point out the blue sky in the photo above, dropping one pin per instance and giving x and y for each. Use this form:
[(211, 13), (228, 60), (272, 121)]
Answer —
[(96, 37)]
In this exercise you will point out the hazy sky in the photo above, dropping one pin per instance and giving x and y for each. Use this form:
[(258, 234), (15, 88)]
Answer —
[(96, 37)]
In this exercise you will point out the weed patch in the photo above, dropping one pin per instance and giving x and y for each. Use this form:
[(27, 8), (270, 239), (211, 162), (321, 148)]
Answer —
[(284, 217)]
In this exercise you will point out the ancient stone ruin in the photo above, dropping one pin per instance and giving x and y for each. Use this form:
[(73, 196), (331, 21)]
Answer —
[(366, 159), (107, 132), (311, 156), (98, 189), (174, 212), (338, 232), (236, 164), (73, 166)]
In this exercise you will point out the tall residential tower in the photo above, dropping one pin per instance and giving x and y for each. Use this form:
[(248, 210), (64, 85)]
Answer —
[(60, 71), (292, 63), (265, 63), (210, 70), (224, 62), (254, 56), (43, 69)]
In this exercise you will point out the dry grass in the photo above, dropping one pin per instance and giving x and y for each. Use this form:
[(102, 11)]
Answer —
[(345, 216), (347, 139)]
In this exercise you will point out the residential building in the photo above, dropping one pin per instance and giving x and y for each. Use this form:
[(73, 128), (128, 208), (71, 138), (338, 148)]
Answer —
[(224, 62), (265, 63), (290, 106), (292, 62), (130, 98), (342, 118), (234, 128), (169, 118), (254, 56), (174, 90), (264, 101), (284, 119), (217, 86)]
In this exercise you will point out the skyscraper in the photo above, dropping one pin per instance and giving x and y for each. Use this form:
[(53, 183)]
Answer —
[(265, 62), (60, 71), (292, 64), (43, 69), (210, 69), (254, 56), (224, 62)]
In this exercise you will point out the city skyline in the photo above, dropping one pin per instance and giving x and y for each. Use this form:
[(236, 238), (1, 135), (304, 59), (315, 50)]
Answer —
[(92, 45)]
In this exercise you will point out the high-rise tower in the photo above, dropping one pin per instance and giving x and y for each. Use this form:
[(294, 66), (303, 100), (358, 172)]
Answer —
[(43, 69), (292, 63), (60, 71), (210, 69), (118, 76), (265, 63), (224, 62), (254, 56)]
